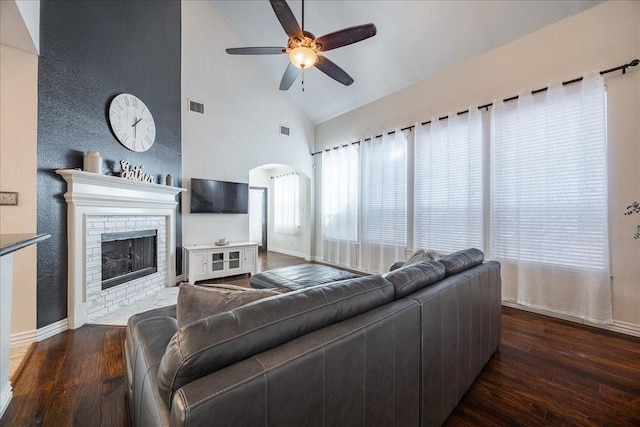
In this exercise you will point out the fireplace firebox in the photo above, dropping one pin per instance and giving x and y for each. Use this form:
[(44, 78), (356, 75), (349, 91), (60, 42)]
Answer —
[(127, 256)]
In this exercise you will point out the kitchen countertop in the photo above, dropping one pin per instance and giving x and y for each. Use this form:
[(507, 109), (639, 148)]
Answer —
[(12, 242)]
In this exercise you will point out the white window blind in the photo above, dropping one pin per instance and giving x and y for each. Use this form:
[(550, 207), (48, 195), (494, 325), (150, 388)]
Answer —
[(340, 193), (448, 204), (384, 189), (549, 179), (286, 195), (384, 201)]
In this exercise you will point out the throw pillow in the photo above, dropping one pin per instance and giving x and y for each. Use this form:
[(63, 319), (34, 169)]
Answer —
[(196, 302), (418, 256)]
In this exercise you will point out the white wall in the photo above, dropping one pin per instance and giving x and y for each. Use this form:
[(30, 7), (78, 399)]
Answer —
[(240, 128), (605, 36), (18, 165)]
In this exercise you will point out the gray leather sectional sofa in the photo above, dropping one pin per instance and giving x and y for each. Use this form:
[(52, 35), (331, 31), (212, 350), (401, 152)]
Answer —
[(398, 349)]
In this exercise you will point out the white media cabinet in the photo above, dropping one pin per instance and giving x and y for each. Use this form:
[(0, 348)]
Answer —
[(211, 261)]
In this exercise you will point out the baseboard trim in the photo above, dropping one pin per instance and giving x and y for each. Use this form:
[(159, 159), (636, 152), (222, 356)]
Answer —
[(23, 338), (290, 253), (617, 326), (6, 394), (52, 329), (624, 328)]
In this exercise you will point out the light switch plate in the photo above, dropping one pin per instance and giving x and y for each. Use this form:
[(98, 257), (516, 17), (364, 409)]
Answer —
[(8, 198)]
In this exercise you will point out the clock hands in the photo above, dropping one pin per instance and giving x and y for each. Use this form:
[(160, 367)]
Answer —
[(135, 122)]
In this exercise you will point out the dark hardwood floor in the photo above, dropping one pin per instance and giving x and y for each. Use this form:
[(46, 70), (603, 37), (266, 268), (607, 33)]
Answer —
[(548, 372), (553, 372)]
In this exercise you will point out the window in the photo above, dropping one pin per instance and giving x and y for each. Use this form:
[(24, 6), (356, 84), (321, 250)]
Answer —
[(384, 190), (448, 212), (286, 194), (340, 193), (549, 179)]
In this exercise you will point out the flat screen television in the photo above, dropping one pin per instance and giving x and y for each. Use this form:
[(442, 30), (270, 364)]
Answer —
[(211, 196)]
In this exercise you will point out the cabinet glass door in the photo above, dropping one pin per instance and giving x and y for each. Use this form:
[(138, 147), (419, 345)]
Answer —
[(217, 261), (234, 260)]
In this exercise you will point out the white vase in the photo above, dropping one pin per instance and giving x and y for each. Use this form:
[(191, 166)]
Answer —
[(92, 162)]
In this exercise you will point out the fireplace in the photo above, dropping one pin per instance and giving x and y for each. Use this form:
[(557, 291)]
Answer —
[(113, 209), (127, 256)]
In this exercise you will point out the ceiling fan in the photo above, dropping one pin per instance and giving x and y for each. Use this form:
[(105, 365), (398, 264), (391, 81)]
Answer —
[(303, 47)]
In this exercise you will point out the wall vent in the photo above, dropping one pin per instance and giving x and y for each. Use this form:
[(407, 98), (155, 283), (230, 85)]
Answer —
[(196, 107), (284, 130)]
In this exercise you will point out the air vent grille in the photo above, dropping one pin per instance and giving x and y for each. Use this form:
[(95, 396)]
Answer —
[(196, 107), (284, 130)]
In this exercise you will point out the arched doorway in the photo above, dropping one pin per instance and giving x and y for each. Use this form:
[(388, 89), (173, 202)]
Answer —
[(282, 224)]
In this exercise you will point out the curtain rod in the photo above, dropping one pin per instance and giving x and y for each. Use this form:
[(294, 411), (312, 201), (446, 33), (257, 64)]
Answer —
[(622, 67)]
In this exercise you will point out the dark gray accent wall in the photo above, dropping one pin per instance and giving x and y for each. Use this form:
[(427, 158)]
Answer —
[(91, 51)]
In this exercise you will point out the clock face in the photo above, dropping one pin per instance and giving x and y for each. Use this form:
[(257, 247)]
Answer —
[(132, 122)]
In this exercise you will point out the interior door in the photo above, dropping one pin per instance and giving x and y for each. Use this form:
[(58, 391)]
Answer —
[(258, 216)]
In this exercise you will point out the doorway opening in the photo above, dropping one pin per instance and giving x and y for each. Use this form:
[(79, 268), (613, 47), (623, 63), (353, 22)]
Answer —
[(258, 216)]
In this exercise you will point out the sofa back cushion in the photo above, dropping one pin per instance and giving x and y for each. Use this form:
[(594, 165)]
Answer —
[(199, 301), (461, 260), (212, 343), (408, 279)]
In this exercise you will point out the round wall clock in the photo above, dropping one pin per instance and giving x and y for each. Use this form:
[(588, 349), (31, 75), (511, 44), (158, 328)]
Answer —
[(132, 122)]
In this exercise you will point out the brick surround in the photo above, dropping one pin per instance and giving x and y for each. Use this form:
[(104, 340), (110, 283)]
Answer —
[(101, 302)]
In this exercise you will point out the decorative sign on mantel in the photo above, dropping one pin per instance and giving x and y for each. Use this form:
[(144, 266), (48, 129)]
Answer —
[(136, 173)]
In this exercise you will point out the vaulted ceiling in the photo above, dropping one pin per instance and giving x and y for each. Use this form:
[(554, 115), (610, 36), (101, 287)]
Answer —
[(415, 40)]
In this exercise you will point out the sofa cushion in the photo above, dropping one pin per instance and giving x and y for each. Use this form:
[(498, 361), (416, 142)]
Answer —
[(435, 255), (461, 260), (410, 278), (212, 343), (198, 301)]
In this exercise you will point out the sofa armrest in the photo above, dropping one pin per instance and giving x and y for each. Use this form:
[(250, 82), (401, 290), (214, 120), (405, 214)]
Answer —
[(148, 335), (461, 317)]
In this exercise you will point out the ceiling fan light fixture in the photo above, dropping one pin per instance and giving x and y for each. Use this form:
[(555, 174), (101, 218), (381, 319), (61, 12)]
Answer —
[(303, 57)]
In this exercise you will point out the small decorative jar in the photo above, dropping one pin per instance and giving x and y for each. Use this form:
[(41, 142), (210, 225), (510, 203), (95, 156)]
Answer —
[(169, 181), (92, 162)]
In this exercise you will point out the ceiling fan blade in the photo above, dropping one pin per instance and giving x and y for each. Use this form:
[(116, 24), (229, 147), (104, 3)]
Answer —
[(332, 70), (287, 19), (346, 36), (255, 50), (289, 76)]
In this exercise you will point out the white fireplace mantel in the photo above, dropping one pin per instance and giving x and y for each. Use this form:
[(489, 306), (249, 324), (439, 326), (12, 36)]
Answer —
[(94, 194)]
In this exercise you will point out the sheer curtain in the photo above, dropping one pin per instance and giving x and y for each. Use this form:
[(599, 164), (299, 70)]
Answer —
[(549, 223), (448, 182), (286, 210), (340, 168), (383, 201)]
